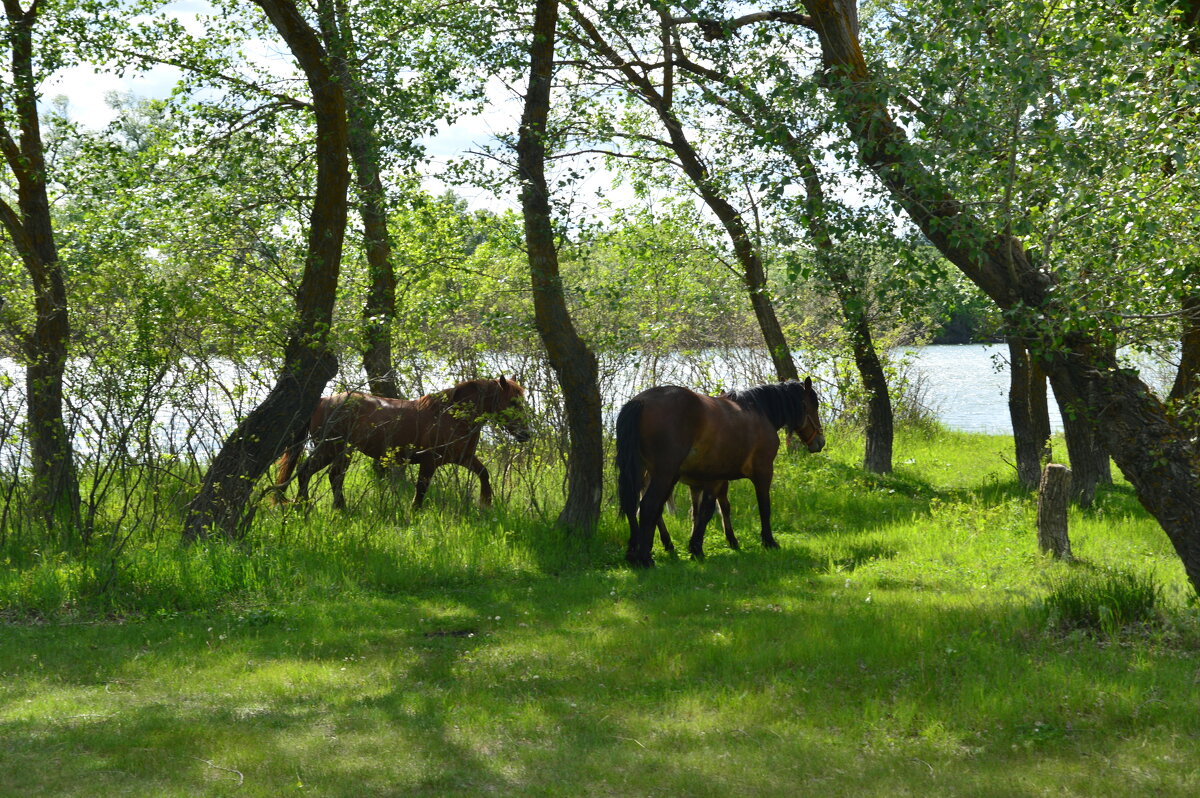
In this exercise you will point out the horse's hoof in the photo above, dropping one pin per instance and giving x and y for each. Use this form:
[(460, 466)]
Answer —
[(697, 554), (638, 561), (771, 544)]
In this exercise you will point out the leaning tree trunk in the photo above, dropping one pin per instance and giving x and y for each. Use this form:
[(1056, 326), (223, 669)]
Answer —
[(754, 275), (55, 483), (1148, 445), (223, 504), (880, 432), (570, 357), (1028, 411)]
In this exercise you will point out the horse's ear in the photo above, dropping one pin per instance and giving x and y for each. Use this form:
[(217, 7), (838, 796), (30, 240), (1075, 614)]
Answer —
[(808, 383), (503, 382)]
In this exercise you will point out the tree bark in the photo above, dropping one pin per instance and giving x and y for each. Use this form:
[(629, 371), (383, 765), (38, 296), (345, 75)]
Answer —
[(1053, 491), (573, 362), (880, 432), (55, 483), (223, 504), (1028, 411), (1157, 459)]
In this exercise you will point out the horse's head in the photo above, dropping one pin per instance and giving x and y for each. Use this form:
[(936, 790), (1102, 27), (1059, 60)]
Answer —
[(512, 412), (806, 423)]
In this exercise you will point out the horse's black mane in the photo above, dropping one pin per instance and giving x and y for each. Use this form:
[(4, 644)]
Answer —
[(781, 402)]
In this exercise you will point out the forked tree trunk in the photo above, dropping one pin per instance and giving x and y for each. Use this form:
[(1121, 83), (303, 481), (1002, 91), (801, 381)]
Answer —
[(55, 483), (569, 355), (223, 504)]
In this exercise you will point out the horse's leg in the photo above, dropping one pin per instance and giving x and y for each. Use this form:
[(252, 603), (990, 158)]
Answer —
[(649, 514), (485, 483), (703, 505), (337, 477), (665, 536), (424, 476), (722, 495), (322, 455), (762, 491)]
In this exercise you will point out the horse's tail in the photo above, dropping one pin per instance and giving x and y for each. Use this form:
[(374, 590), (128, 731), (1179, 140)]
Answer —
[(293, 452), (629, 457)]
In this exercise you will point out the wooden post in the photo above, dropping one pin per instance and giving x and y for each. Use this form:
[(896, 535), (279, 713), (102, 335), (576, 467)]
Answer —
[(1053, 495)]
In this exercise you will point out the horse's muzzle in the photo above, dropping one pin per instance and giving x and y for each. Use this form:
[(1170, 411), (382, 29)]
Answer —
[(817, 443)]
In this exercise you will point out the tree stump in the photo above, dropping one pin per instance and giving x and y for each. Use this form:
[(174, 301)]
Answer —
[(1053, 496)]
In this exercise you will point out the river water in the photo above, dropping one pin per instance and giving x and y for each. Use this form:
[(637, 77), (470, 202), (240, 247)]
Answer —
[(966, 387), (967, 384)]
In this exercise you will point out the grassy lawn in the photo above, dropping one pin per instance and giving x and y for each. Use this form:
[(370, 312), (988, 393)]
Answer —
[(897, 645)]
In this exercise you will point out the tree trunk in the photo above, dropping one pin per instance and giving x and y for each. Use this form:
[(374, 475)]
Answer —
[(1030, 436), (379, 310), (1085, 449), (55, 488), (1187, 378), (1039, 406), (1158, 460), (570, 357), (1053, 491), (754, 276), (223, 502), (878, 455), (880, 432)]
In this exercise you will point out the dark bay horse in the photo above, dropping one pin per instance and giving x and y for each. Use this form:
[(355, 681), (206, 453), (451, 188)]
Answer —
[(717, 492), (437, 429), (670, 434)]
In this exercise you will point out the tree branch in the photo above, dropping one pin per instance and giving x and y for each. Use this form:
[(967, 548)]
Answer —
[(714, 29)]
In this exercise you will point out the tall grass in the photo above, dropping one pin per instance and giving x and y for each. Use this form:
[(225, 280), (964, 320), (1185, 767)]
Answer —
[(950, 517)]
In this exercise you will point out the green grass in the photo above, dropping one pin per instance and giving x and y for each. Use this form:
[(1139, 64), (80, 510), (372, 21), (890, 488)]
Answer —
[(898, 644)]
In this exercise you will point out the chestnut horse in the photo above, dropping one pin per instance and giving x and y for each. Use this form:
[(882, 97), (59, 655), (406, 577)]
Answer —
[(438, 428), (670, 434)]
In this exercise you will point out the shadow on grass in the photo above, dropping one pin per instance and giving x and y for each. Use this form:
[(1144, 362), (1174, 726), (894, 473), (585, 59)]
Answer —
[(742, 675)]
